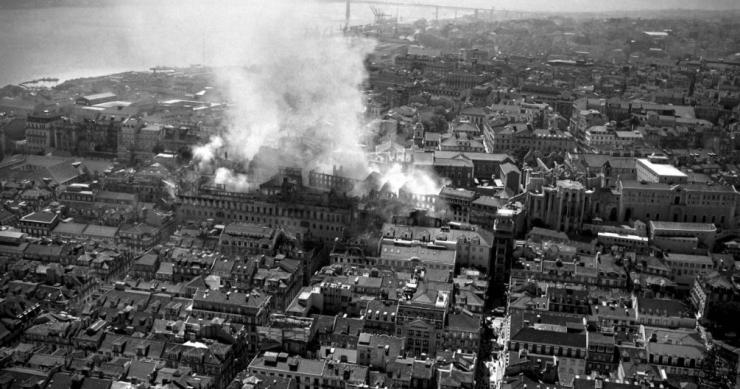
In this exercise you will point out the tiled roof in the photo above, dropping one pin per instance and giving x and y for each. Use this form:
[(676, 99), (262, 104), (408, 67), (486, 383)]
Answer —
[(532, 335), (464, 322)]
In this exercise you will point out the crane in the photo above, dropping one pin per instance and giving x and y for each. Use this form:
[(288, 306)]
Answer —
[(380, 16)]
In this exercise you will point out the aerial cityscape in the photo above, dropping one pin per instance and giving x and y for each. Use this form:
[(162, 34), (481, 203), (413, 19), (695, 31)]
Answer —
[(379, 194)]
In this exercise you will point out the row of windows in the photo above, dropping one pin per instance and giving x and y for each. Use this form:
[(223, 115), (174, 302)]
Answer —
[(300, 213), (213, 214), (351, 260), (690, 265), (403, 263), (624, 241), (697, 199), (669, 360), (240, 243), (694, 219), (551, 350)]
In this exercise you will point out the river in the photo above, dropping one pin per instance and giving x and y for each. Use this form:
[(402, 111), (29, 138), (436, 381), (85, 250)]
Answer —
[(69, 42), (72, 42)]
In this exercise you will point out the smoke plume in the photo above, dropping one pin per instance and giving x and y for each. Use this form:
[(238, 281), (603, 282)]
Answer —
[(416, 181), (292, 81), (293, 90), (232, 181), (206, 153)]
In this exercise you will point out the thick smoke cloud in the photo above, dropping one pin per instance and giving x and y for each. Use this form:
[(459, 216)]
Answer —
[(292, 81), (419, 181), (208, 152), (238, 182), (293, 89)]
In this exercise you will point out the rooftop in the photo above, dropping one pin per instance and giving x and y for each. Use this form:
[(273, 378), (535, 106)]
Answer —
[(97, 96), (282, 363), (598, 160), (11, 235), (660, 169), (631, 237), (546, 233), (250, 230), (570, 184), (437, 235), (116, 196), (457, 192), (464, 322), (147, 260), (668, 307), (231, 298), (717, 280), (700, 259), (508, 167), (40, 217), (694, 187), (459, 162), (418, 252), (473, 156), (628, 134), (70, 228), (101, 231), (682, 336), (550, 337), (488, 201), (676, 350), (679, 226)]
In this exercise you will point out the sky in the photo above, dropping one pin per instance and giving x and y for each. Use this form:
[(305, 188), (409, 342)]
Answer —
[(591, 5)]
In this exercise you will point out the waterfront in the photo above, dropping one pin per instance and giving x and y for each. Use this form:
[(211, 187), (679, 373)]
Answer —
[(72, 42)]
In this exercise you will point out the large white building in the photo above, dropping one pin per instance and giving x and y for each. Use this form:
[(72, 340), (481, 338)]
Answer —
[(660, 173)]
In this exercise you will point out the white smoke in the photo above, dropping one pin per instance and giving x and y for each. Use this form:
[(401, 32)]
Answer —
[(235, 182), (291, 89), (206, 153), (415, 181), (292, 81)]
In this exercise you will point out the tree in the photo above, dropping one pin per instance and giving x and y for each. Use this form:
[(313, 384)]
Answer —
[(435, 123), (439, 123)]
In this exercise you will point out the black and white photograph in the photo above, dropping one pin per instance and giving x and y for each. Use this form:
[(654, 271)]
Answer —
[(369, 194)]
